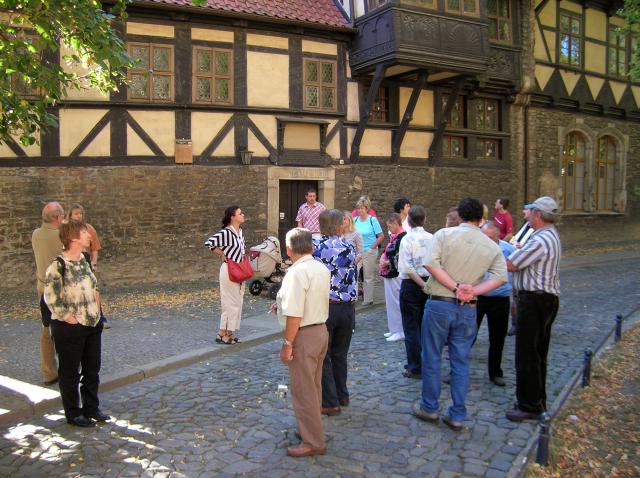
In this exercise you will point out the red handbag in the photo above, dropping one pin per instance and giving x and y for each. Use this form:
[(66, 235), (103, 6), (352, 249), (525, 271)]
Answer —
[(239, 271)]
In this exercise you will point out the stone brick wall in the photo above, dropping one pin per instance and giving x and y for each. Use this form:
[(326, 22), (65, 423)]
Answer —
[(152, 220), (581, 232), (437, 189)]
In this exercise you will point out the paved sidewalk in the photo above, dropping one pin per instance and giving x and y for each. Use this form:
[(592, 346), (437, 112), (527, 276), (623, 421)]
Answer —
[(221, 417)]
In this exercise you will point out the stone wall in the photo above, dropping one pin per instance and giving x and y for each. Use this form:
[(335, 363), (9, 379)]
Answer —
[(584, 231), (152, 220), (437, 189)]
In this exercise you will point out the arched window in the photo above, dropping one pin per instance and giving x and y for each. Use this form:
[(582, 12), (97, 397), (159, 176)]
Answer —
[(605, 173), (573, 171)]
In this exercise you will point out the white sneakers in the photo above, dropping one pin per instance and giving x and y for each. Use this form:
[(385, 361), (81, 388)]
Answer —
[(395, 337), (388, 334)]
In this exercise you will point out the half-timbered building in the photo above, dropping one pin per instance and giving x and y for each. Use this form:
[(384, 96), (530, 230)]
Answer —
[(250, 103)]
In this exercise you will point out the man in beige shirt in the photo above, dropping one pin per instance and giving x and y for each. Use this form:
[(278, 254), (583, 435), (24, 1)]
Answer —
[(46, 246), (303, 307), (460, 257)]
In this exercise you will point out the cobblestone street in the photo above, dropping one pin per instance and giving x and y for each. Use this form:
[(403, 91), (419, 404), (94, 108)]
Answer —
[(222, 417)]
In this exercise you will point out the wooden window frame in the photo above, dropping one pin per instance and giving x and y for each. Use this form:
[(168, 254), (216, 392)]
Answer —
[(460, 106), (566, 159), (485, 114), (448, 139), (618, 48), (605, 162), (498, 19), (373, 4), (573, 39), (482, 143), (461, 11), (151, 73), (380, 108), (213, 76), (319, 84)]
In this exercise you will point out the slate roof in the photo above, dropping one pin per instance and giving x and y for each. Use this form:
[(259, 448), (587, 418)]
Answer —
[(321, 12)]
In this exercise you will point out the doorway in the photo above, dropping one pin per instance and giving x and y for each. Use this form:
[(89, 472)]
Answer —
[(291, 196)]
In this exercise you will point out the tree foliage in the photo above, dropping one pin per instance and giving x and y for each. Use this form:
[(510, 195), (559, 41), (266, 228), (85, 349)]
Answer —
[(631, 14), (31, 78)]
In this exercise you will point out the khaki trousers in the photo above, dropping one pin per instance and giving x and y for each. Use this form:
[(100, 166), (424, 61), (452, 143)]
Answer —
[(231, 297), (305, 375), (47, 355), (369, 269)]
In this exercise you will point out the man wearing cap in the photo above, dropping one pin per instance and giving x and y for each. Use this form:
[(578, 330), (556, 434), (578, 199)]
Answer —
[(536, 267)]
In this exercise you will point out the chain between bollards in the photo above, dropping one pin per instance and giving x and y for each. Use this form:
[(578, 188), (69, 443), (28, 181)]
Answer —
[(586, 369), (618, 335), (542, 455)]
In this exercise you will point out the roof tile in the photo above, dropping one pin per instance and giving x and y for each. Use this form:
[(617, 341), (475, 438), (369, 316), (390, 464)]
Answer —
[(323, 12)]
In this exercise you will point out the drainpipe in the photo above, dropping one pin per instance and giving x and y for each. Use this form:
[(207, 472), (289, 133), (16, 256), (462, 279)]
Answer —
[(525, 173)]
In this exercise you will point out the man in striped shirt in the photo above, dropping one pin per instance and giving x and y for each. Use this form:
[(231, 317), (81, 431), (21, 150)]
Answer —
[(309, 213), (536, 267)]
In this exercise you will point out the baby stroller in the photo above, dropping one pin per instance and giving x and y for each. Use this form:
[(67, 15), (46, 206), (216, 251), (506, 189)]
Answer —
[(266, 261)]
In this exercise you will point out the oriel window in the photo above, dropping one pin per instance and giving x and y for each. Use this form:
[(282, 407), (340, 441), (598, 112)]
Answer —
[(499, 15), (152, 77), (463, 7), (571, 39), (320, 85), (212, 75)]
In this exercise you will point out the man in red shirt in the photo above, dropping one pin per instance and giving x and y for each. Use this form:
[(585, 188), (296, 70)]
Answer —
[(503, 219)]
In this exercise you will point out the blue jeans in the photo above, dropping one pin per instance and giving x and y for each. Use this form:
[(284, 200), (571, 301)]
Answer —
[(445, 322)]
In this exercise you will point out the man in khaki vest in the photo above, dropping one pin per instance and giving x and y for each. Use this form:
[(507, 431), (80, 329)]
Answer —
[(46, 246)]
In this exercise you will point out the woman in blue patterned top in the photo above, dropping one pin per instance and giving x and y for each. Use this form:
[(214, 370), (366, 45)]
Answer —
[(339, 257)]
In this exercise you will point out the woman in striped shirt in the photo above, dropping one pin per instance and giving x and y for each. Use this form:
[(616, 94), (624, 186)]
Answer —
[(228, 243)]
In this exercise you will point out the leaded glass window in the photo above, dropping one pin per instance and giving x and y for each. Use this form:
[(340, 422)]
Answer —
[(212, 75), (320, 84), (456, 117), (151, 79), (452, 147), (487, 148), (486, 114)]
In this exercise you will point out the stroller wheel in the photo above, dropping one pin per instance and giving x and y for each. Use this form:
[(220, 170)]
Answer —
[(273, 291), (255, 287)]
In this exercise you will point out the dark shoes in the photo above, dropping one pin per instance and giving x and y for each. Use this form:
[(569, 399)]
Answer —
[(520, 415), (304, 450), (499, 381), (51, 382), (454, 425), (344, 402), (330, 411), (418, 412), (98, 416), (81, 421), (414, 375)]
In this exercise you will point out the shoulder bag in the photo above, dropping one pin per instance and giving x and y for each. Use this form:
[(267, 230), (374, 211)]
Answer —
[(239, 271)]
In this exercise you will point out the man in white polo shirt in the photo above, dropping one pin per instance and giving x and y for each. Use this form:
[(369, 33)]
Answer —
[(303, 308)]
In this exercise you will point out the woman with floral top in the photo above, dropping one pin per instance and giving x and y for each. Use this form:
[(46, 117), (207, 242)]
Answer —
[(71, 294), (228, 244)]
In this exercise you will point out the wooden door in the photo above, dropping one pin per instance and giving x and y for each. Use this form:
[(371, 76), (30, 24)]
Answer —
[(291, 197)]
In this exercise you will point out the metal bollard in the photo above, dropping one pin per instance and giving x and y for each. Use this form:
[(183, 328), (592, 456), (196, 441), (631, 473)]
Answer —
[(586, 371), (618, 335), (542, 455)]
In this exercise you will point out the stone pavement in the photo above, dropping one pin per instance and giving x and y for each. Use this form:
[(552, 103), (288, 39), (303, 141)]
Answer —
[(221, 417)]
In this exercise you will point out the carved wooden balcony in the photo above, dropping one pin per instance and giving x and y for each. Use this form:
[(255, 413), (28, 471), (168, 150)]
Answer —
[(401, 35)]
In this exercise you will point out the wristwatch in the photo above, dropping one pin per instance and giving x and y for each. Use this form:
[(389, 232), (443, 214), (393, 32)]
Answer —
[(286, 343)]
